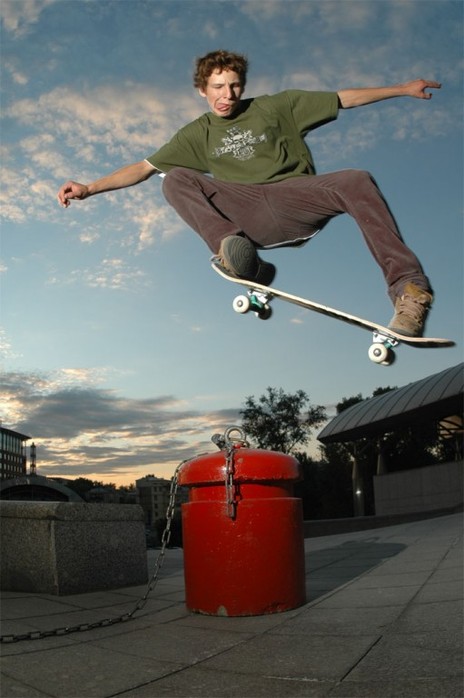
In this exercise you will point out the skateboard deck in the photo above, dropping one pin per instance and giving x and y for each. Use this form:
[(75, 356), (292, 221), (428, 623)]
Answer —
[(258, 298)]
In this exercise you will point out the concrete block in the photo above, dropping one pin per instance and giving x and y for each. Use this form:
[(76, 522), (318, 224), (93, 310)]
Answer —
[(70, 548)]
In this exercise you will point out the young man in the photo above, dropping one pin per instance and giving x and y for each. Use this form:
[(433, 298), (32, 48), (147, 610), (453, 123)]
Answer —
[(263, 191)]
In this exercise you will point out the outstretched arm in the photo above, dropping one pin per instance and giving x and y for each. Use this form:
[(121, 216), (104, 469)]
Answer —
[(125, 177), (357, 97)]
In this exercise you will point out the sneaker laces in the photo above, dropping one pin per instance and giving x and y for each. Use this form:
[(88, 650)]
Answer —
[(414, 308)]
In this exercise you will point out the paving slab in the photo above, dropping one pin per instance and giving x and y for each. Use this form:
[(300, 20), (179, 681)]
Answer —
[(441, 616), (342, 622), (207, 683), (413, 656), (17, 689), (303, 657), (191, 646), (85, 671), (399, 688)]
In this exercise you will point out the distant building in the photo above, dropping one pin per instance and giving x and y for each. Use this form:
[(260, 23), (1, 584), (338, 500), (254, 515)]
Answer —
[(154, 493), (13, 454)]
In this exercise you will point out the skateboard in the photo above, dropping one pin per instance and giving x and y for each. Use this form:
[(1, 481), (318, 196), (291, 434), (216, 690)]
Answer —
[(258, 298)]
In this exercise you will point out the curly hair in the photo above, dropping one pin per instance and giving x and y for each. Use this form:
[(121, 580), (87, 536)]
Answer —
[(219, 60)]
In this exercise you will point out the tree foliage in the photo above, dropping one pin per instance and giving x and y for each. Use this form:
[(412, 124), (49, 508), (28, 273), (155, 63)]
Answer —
[(280, 421), (82, 485)]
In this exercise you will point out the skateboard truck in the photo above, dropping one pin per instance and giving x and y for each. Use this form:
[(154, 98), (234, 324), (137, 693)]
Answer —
[(380, 351)]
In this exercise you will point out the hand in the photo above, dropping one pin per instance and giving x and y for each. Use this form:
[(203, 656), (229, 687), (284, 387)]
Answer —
[(416, 88), (72, 190)]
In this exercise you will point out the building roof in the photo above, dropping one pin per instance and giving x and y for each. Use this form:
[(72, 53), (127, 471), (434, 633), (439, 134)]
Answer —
[(38, 488), (435, 397), (17, 434)]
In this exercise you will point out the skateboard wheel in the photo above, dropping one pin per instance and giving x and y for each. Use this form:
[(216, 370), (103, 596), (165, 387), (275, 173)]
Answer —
[(241, 304), (380, 354)]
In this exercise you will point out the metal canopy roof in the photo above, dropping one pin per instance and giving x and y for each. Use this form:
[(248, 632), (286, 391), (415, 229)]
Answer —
[(434, 397)]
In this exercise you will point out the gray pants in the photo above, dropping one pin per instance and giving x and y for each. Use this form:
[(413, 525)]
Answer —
[(292, 210)]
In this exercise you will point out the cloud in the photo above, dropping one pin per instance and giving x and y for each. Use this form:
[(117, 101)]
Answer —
[(153, 218), (6, 348), (120, 120), (19, 15), (18, 77), (327, 17), (345, 16), (113, 274), (81, 428)]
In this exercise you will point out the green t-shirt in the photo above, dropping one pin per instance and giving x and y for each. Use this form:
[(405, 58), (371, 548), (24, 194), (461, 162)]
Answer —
[(263, 142)]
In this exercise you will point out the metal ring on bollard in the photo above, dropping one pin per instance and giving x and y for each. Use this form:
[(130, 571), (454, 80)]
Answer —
[(223, 441), (229, 440)]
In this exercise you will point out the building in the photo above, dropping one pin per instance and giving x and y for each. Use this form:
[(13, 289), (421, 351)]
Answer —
[(154, 493), (13, 454), (435, 401)]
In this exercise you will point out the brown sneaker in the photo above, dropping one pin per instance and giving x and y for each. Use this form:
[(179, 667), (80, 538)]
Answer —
[(238, 255), (411, 311)]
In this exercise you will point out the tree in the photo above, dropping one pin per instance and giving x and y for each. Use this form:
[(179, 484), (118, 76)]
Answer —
[(280, 421), (127, 488), (82, 485)]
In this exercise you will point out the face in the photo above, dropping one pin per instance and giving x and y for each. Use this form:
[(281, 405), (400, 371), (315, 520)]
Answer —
[(223, 92)]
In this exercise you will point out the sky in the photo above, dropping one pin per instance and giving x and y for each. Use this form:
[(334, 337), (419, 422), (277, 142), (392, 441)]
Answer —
[(120, 352)]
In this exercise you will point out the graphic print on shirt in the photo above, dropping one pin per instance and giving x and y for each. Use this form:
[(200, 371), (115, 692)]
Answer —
[(239, 144)]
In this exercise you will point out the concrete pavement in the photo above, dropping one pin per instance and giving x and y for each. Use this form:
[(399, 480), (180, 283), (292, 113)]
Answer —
[(384, 619)]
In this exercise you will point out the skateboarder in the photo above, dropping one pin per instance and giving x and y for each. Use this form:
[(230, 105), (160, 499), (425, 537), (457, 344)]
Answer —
[(264, 190)]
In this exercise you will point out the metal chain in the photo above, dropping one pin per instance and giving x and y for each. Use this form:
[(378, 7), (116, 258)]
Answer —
[(83, 627), (231, 501), (230, 445)]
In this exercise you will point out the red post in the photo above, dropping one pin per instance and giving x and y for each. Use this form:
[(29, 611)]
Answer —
[(242, 533)]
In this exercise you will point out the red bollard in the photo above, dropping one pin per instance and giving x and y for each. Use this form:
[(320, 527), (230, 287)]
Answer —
[(242, 533)]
